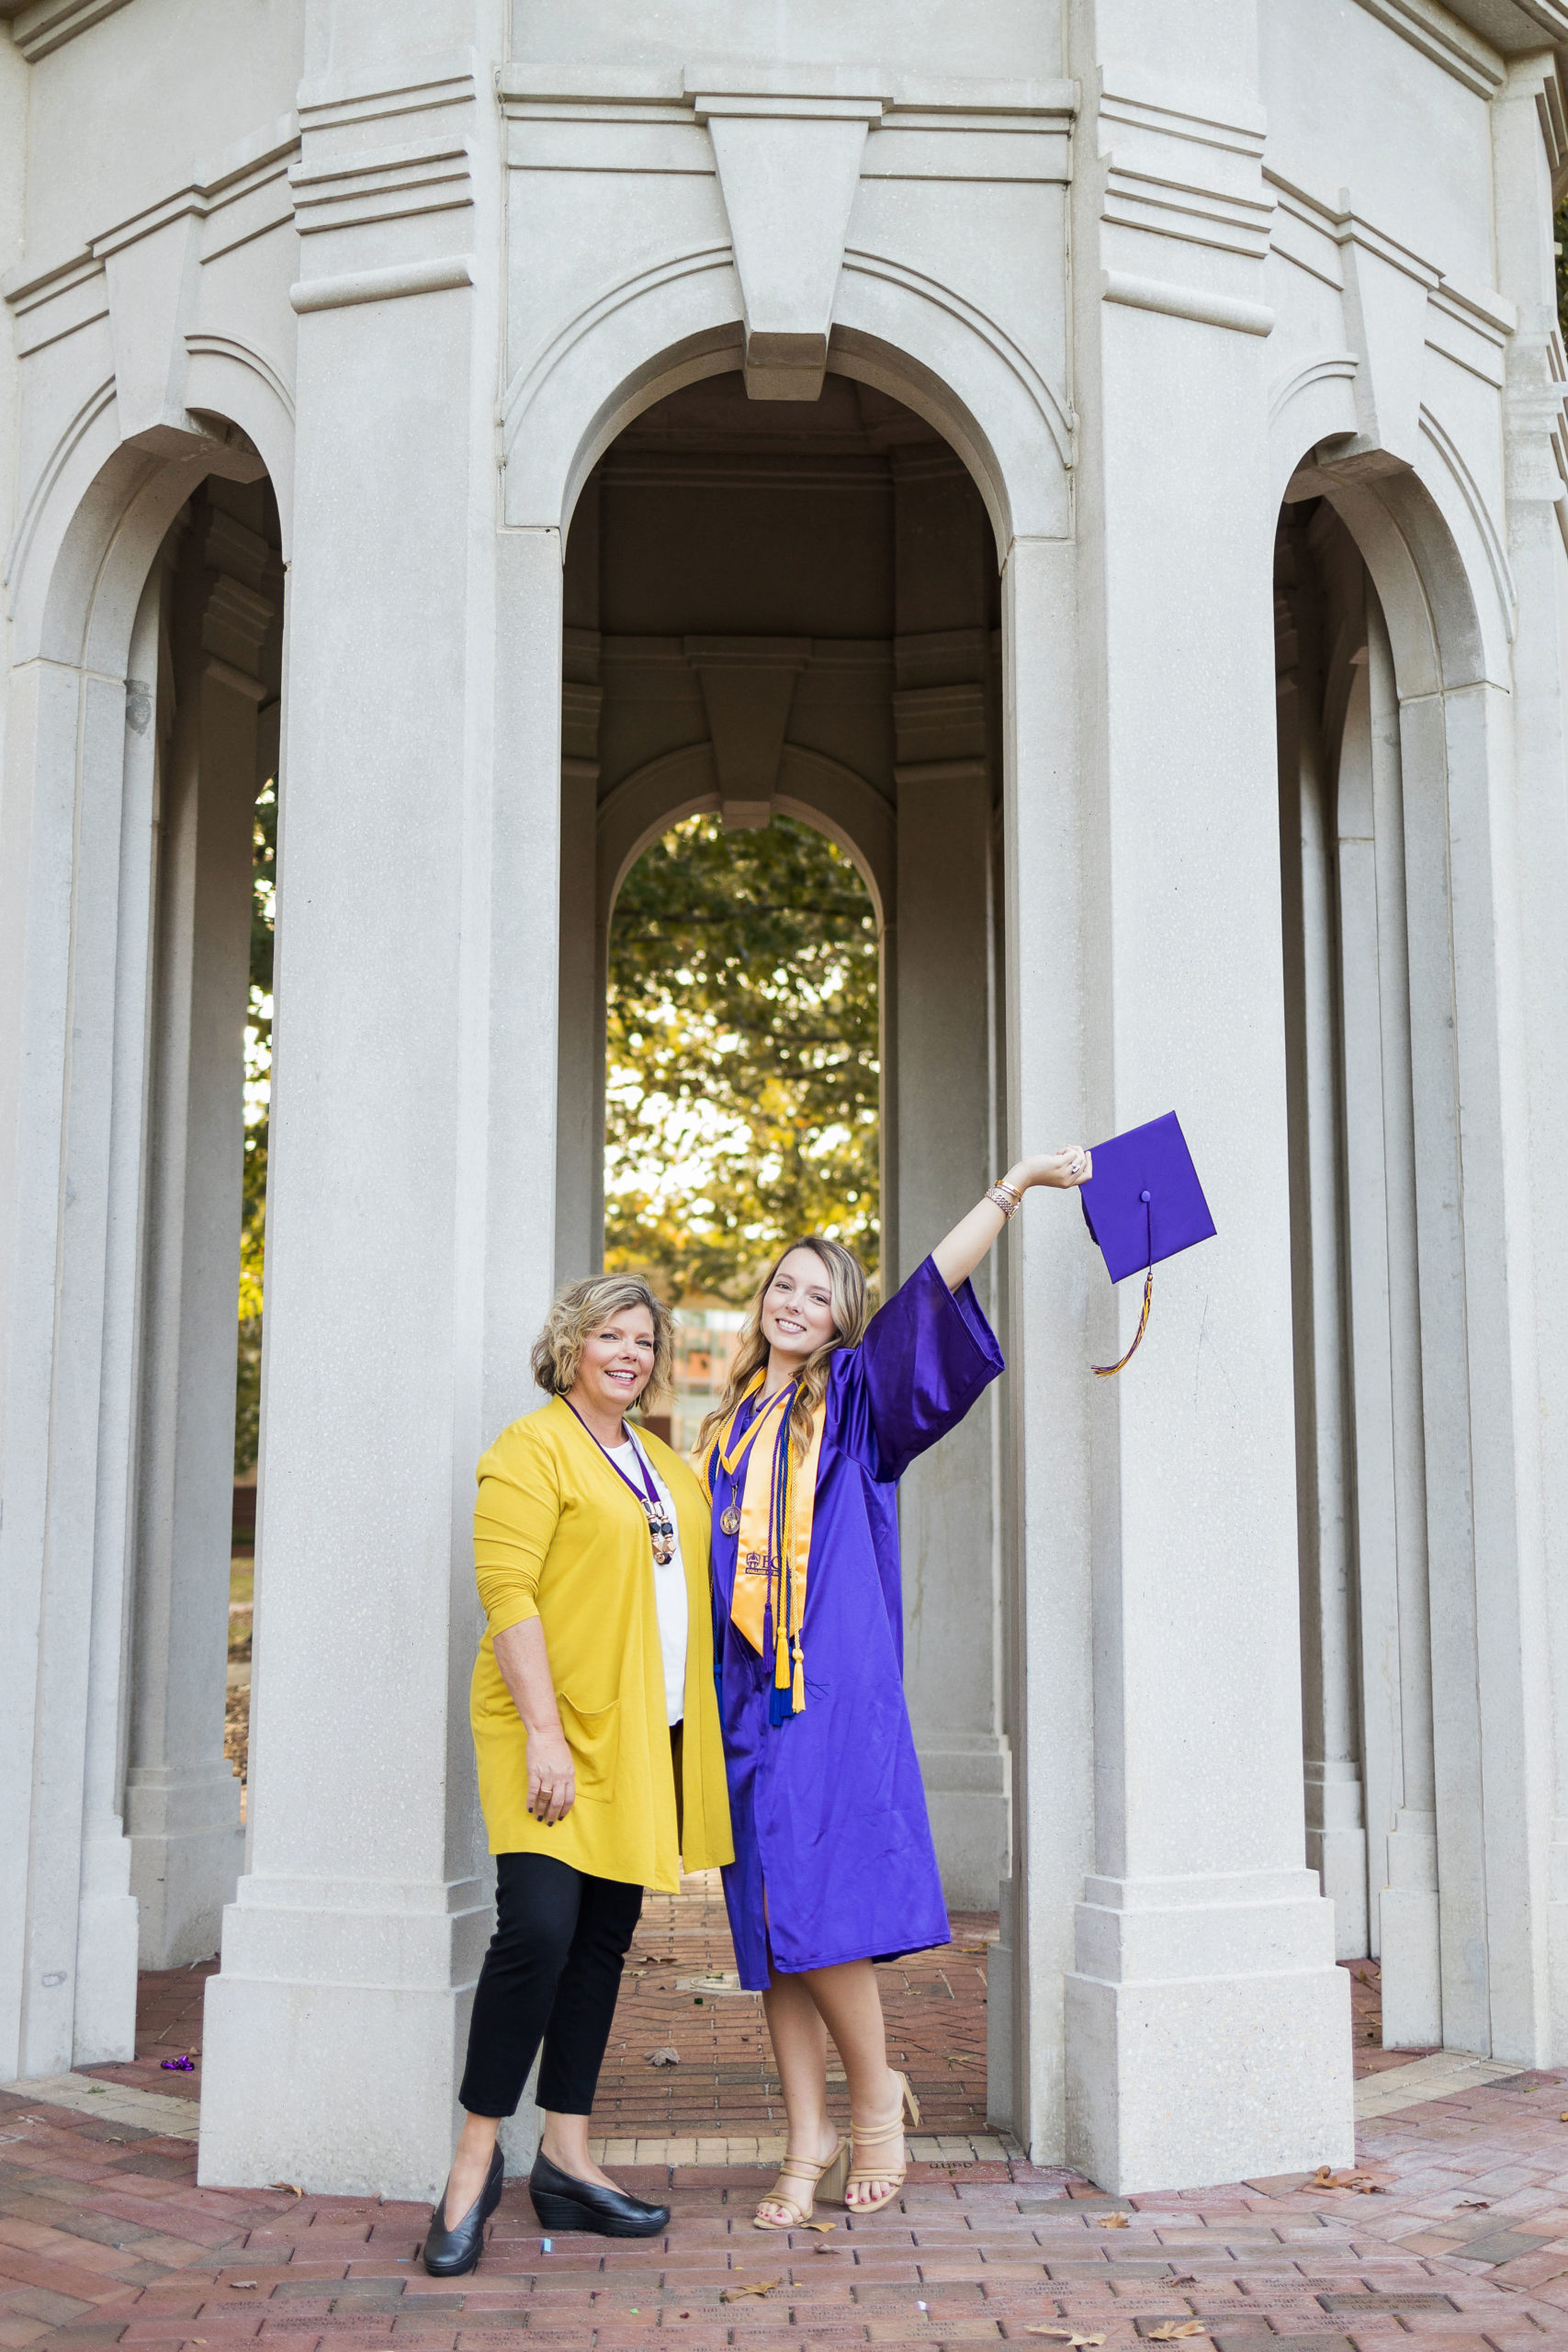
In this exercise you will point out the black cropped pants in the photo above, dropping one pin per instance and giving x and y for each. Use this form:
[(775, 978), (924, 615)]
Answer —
[(551, 1973)]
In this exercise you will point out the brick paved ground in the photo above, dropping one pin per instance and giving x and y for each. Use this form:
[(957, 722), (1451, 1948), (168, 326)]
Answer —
[(681, 1993), (105, 2238)]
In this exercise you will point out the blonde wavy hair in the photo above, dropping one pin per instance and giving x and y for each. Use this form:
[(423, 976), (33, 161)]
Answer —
[(585, 1308), (850, 1299)]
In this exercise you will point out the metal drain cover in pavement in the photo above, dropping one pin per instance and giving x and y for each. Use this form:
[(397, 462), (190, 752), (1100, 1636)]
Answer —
[(714, 1987)]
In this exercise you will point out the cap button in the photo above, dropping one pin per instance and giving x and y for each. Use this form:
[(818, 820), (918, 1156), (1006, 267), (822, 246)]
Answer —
[(1143, 1197)]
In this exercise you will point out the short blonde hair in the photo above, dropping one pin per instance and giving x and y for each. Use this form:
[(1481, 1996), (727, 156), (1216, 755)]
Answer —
[(585, 1308)]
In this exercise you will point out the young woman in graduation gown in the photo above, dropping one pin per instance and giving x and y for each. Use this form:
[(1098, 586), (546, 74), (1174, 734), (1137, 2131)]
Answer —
[(834, 1868)]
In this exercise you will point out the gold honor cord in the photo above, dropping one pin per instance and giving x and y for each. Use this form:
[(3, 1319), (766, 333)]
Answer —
[(1109, 1371)]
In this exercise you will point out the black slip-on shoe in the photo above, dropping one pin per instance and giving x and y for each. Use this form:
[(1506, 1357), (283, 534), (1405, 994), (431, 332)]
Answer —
[(562, 2203), (449, 2252)]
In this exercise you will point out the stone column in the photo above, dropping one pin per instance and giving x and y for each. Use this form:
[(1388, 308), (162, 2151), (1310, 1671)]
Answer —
[(1537, 532), (412, 1152), (1336, 1836), (182, 1798), (1048, 1622), (1207, 2024), (74, 848), (580, 1149), (1385, 1326), (108, 1924), (942, 1096)]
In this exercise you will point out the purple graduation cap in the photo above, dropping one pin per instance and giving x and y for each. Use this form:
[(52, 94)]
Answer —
[(1143, 1202)]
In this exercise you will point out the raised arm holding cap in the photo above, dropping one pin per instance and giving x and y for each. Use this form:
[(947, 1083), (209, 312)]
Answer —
[(956, 1258)]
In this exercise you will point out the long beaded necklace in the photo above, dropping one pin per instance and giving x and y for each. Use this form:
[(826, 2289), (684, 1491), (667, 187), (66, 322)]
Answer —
[(660, 1526)]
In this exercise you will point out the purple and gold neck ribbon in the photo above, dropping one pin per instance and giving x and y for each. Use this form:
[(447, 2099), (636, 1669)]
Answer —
[(773, 1555)]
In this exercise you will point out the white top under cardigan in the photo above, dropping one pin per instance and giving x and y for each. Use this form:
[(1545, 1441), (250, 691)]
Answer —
[(668, 1580)]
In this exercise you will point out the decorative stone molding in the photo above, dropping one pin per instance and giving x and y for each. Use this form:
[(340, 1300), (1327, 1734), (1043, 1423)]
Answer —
[(788, 147), (1433, 31), (177, 391), (747, 685), (385, 184), (1154, 183), (387, 285), (677, 315), (939, 724), (49, 24), (583, 699), (335, 102), (1194, 302), (341, 186)]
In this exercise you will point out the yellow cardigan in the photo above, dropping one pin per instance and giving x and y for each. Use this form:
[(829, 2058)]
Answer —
[(557, 1536)]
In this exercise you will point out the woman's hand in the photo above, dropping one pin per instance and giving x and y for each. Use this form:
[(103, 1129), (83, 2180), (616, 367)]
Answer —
[(552, 1777), (525, 1664), (1064, 1170), (957, 1256)]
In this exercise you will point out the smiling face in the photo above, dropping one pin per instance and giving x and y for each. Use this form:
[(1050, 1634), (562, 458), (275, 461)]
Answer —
[(797, 1308), (616, 1363)]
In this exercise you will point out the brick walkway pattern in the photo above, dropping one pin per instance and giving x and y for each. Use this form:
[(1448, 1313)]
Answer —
[(1460, 2237)]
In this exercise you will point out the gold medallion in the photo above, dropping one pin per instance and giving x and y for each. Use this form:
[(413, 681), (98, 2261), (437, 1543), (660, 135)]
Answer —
[(729, 1519)]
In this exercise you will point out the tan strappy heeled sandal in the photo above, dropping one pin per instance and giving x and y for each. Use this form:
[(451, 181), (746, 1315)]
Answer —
[(828, 2176), (879, 2135)]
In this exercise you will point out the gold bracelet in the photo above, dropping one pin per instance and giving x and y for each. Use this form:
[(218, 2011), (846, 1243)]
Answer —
[(1003, 1196)]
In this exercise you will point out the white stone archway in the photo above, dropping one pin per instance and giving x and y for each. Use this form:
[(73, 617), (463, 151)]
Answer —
[(119, 1316), (1427, 1544)]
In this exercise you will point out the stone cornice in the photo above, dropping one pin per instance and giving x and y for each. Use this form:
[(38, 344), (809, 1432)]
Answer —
[(627, 91), (241, 171), (1515, 27), (40, 26), (1472, 39)]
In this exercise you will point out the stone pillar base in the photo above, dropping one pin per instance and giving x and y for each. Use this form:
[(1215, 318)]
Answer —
[(333, 2037), (1000, 2094), (1410, 1937), (1207, 2033), (104, 2022), (187, 1847), (1336, 1850), (1412, 1973), (966, 1795)]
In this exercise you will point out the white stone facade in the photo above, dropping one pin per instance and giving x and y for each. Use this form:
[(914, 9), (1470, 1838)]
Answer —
[(1103, 461)]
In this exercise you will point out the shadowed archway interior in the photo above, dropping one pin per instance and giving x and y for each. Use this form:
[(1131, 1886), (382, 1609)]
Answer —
[(787, 614)]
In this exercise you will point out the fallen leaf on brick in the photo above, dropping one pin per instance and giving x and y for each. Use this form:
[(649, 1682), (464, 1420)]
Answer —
[(1476, 2204), (292, 2188), (1170, 2329), (1065, 2335), (736, 2294), (819, 2225), (829, 2249), (242, 2282), (1111, 2220), (665, 2057), (1360, 2183)]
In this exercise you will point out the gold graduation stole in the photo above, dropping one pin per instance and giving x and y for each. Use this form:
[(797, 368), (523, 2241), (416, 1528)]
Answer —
[(773, 1554)]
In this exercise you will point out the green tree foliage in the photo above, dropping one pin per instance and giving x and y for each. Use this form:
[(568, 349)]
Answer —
[(743, 1070), (258, 1096)]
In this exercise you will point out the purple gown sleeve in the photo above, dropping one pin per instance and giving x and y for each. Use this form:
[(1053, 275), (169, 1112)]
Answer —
[(924, 1360)]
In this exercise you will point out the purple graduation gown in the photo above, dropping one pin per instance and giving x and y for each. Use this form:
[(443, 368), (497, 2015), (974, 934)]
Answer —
[(827, 1809)]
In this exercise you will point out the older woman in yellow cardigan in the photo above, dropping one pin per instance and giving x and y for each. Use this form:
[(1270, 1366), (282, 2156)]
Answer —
[(596, 1729)]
